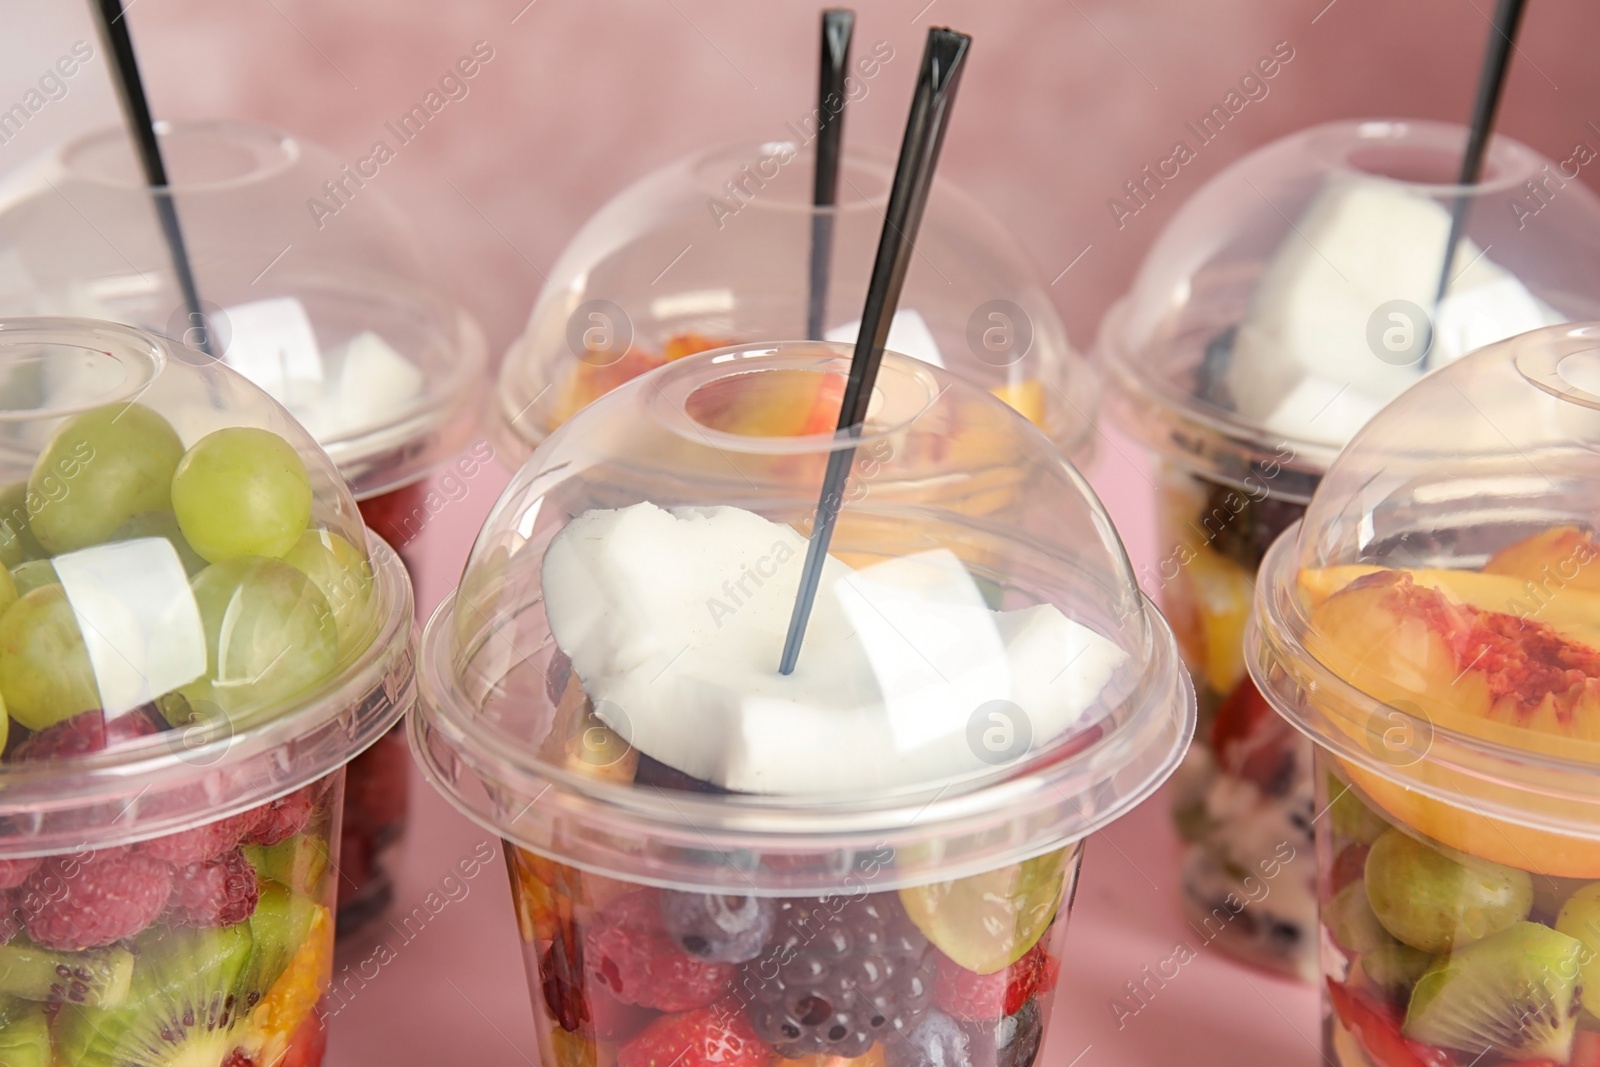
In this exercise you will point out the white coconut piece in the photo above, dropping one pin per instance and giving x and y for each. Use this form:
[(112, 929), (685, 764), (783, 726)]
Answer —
[(1362, 243), (675, 621), (908, 334)]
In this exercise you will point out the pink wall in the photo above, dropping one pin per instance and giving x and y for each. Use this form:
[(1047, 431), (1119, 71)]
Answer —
[(1063, 102)]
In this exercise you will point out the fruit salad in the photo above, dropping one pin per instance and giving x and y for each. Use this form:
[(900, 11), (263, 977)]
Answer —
[(210, 946), (1451, 937), (1244, 794), (596, 374), (957, 975)]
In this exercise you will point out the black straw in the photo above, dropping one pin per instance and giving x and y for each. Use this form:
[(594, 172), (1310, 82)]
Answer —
[(837, 25), (1491, 87), (913, 177), (113, 28)]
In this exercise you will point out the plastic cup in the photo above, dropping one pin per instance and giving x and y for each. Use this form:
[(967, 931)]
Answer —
[(878, 872), (715, 249), (1284, 304), (197, 636), (314, 286), (1433, 627)]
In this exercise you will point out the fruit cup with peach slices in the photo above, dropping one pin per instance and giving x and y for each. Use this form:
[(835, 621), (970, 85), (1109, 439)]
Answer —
[(192, 649), (677, 263), (1282, 306), (868, 862), (1433, 626)]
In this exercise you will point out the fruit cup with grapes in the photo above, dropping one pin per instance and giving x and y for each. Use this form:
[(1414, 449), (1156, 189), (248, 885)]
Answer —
[(869, 861), (346, 323), (1434, 628), (194, 642), (1282, 306)]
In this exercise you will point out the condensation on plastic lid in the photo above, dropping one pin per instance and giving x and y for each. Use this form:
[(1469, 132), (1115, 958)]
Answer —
[(140, 624)]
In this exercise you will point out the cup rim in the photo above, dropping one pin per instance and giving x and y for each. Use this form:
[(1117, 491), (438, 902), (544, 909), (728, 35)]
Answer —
[(1056, 798), (277, 152)]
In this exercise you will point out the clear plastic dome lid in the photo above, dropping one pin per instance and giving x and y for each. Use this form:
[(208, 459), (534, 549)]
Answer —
[(1295, 294), (979, 663), (716, 249), (311, 281), (1435, 620), (190, 615)]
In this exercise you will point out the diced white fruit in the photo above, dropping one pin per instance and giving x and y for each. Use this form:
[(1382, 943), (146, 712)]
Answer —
[(1362, 243), (675, 622), (908, 334), (374, 380)]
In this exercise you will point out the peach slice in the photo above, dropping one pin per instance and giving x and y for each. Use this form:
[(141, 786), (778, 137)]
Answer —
[(1555, 560), (1519, 682), (1574, 613)]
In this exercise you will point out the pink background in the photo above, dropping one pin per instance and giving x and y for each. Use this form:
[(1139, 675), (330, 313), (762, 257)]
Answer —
[(1063, 102)]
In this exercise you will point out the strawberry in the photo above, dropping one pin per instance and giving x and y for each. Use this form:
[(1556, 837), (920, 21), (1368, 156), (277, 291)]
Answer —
[(1252, 741), (706, 1037), (1379, 1032)]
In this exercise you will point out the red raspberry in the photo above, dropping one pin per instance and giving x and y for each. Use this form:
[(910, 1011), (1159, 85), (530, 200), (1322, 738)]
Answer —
[(630, 953), (203, 842), (709, 1037), (79, 902), (11, 914), (284, 817), (986, 997), (87, 732), (611, 1018), (237, 1058), (14, 872), (219, 892)]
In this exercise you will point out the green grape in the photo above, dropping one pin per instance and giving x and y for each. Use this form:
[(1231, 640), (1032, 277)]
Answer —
[(270, 634), (33, 574), (17, 543), (1435, 901), (101, 469), (8, 591), (345, 577), (241, 492), (161, 524), (1580, 918), (45, 674)]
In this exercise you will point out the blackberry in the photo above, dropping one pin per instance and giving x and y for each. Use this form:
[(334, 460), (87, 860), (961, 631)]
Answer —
[(839, 975)]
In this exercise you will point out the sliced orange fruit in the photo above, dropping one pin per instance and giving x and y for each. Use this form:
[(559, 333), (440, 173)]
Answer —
[(291, 1003)]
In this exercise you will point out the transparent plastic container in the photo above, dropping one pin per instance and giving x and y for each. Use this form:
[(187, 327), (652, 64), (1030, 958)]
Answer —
[(1433, 626), (1285, 303), (716, 249), (314, 286), (197, 636), (702, 849)]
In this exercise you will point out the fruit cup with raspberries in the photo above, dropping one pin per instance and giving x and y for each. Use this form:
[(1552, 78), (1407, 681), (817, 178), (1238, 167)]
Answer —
[(867, 862), (192, 647), (1434, 628)]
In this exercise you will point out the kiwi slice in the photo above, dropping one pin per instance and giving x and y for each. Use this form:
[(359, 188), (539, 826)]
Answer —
[(24, 1035), (182, 1007), (280, 925), (299, 862), (98, 978), (1515, 992)]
